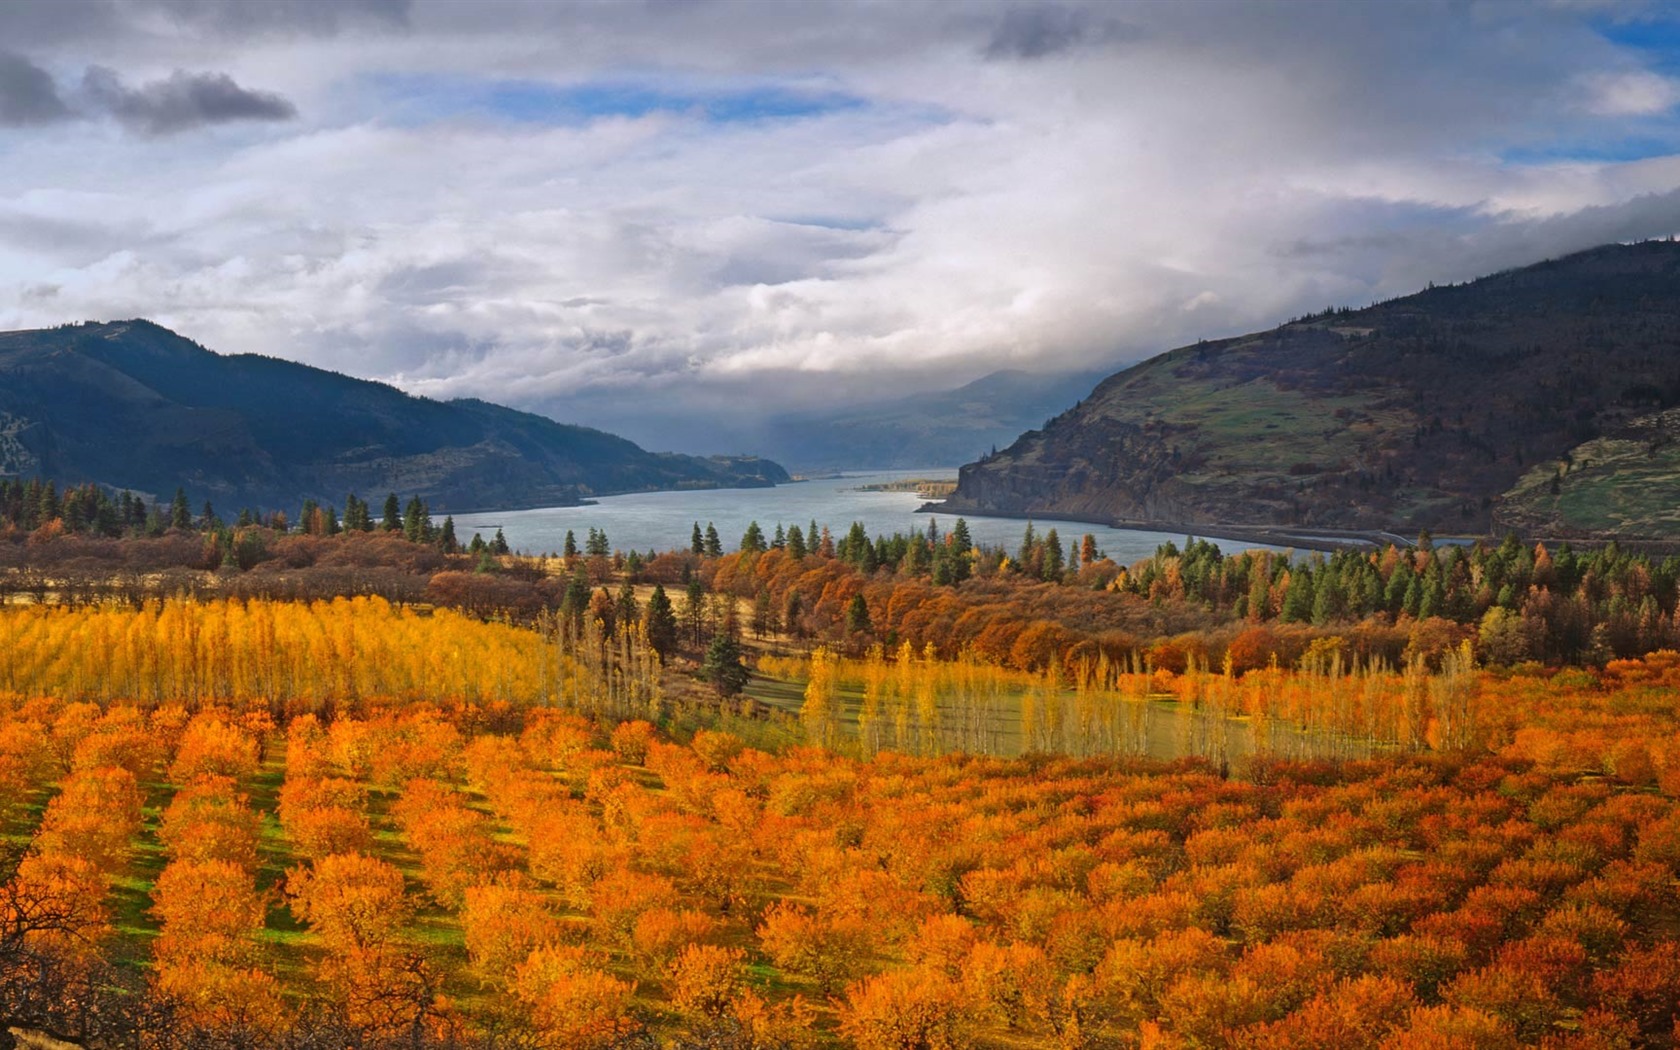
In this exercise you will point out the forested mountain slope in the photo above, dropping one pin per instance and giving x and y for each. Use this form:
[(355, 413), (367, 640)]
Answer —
[(1452, 409), (133, 405)]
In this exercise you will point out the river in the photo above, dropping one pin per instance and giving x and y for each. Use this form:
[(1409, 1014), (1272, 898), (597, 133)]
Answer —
[(664, 520)]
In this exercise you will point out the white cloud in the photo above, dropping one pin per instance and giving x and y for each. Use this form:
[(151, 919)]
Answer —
[(988, 189)]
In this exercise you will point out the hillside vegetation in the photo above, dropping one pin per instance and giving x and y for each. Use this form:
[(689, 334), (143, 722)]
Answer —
[(132, 405), (1429, 411)]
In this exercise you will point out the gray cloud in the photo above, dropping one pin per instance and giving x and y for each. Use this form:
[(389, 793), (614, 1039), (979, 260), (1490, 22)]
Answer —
[(1038, 30), (181, 101), (482, 200), (27, 93)]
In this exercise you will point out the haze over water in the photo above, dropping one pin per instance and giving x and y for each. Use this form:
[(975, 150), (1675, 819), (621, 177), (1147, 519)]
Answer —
[(664, 520)]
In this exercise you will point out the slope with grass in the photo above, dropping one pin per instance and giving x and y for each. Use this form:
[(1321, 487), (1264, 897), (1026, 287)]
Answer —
[(1421, 412)]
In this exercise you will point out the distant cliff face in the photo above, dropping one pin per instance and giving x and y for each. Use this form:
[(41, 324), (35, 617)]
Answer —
[(133, 405), (1423, 412)]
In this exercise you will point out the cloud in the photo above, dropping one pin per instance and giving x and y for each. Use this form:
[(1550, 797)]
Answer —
[(181, 102), (1636, 93), (1031, 31), (652, 217), (28, 94)]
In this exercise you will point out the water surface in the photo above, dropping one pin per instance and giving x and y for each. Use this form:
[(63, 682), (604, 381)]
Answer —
[(664, 520)]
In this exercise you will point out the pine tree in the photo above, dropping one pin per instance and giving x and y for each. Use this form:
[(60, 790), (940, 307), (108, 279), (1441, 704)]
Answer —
[(1053, 557), (723, 666), (796, 543), (499, 545), (415, 520), (752, 541), (714, 545), (446, 538), (393, 514), (180, 514), (857, 617), (659, 620), (960, 538), (570, 550), (627, 611), (697, 543)]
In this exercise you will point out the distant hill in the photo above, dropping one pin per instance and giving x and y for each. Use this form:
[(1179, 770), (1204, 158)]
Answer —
[(1535, 399), (132, 405), (943, 428)]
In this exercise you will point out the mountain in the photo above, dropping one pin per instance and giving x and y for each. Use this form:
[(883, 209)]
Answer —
[(926, 430), (1537, 399), (130, 404)]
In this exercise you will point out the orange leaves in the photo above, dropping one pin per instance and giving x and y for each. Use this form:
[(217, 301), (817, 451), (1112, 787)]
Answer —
[(574, 1003), (93, 818), (707, 980), (454, 842), (208, 820), (504, 921), (210, 911), (212, 747), (823, 949), (352, 901), (914, 1009)]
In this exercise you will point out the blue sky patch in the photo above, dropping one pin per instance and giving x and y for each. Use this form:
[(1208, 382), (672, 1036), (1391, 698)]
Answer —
[(419, 99)]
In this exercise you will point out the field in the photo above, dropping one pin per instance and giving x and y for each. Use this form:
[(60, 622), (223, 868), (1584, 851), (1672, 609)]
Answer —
[(427, 862)]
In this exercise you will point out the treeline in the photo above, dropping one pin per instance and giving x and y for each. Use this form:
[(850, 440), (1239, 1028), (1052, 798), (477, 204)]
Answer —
[(37, 508), (1527, 603)]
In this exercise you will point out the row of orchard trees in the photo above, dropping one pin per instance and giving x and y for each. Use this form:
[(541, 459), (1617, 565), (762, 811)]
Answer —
[(1330, 707), (290, 655)]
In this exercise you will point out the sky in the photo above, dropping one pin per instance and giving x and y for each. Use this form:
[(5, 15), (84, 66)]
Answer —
[(672, 218)]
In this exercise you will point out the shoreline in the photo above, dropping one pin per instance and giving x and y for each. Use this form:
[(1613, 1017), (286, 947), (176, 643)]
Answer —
[(1312, 539)]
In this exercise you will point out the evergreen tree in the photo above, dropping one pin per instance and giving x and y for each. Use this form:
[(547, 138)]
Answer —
[(575, 602), (180, 514), (659, 620), (857, 617), (446, 538), (714, 545), (499, 545), (697, 543), (764, 614), (723, 666), (570, 550), (477, 546), (1053, 557), (415, 520), (393, 514), (796, 543), (628, 610), (1029, 546), (752, 541), (960, 538), (779, 541), (793, 613), (598, 545), (694, 611)]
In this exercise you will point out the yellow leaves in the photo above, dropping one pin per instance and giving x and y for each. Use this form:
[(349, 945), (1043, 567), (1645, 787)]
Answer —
[(260, 652)]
